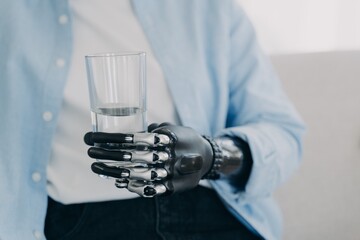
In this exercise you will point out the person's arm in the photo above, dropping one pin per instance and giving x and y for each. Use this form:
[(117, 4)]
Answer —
[(261, 123), (259, 112)]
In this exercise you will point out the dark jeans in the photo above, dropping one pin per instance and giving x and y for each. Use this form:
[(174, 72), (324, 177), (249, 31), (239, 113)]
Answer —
[(196, 214)]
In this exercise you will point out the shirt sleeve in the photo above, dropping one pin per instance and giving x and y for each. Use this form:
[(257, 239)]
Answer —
[(259, 112)]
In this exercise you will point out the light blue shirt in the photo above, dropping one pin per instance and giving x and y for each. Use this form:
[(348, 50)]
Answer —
[(220, 81)]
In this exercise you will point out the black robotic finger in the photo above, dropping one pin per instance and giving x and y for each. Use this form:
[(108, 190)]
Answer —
[(100, 153), (91, 138), (142, 173), (149, 157), (121, 141), (146, 189), (153, 126), (110, 171), (142, 188)]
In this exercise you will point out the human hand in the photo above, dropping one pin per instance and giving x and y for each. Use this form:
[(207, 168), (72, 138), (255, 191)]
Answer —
[(168, 159)]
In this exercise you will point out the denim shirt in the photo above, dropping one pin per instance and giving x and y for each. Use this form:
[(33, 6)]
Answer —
[(220, 81)]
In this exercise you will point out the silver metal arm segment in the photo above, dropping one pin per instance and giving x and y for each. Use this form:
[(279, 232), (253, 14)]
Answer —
[(149, 157), (232, 155), (152, 139), (148, 174)]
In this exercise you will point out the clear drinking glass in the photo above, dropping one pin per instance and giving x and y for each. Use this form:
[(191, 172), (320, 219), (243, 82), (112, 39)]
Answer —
[(117, 89)]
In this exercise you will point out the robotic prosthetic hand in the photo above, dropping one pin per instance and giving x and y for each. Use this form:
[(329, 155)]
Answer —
[(168, 159)]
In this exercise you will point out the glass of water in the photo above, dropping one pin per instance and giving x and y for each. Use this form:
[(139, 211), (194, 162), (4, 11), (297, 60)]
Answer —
[(117, 89)]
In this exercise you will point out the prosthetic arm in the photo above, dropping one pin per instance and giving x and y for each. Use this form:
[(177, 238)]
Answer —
[(168, 159)]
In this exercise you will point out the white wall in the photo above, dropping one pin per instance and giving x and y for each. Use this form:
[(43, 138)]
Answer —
[(292, 26), (322, 199)]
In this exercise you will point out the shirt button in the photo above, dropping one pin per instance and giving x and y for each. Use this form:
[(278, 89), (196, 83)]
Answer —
[(37, 234), (36, 177), (47, 116), (63, 19), (60, 62)]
